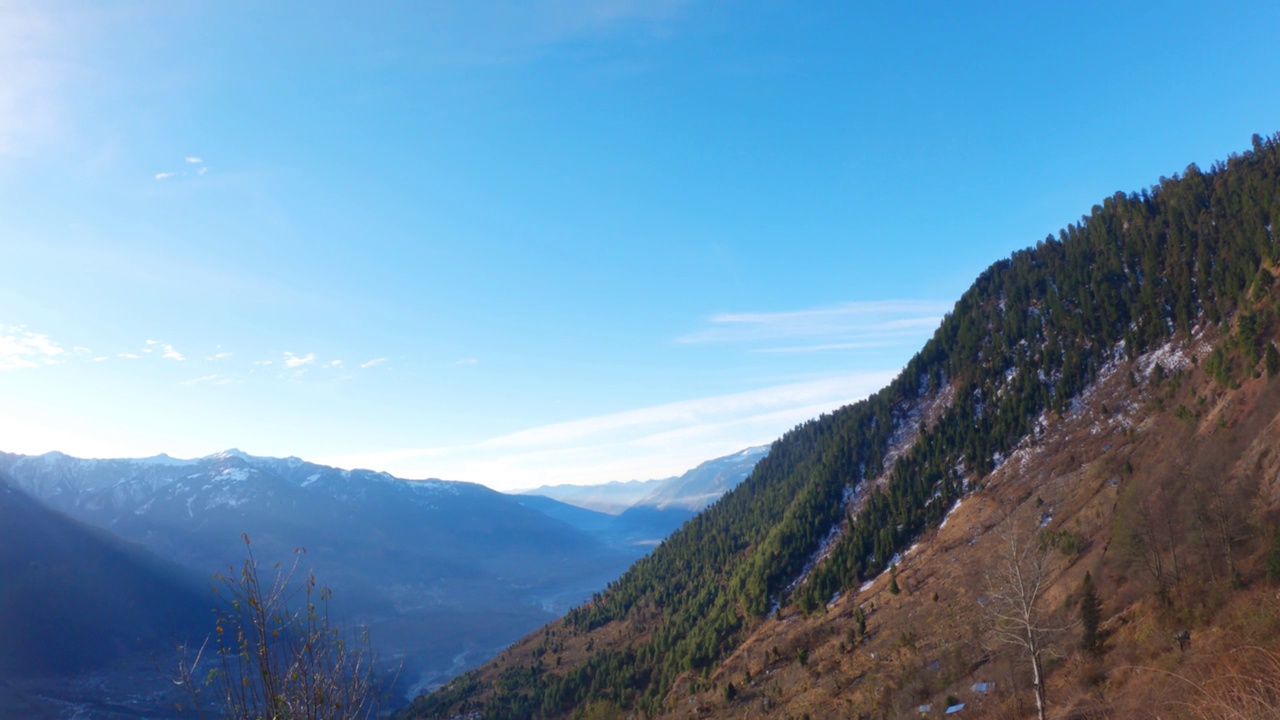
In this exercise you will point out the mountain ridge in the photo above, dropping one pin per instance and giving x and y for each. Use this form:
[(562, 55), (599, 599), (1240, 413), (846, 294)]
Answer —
[(642, 513), (840, 499)]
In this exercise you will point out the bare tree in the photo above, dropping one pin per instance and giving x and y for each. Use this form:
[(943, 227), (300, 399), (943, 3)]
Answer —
[(1016, 583), (274, 653)]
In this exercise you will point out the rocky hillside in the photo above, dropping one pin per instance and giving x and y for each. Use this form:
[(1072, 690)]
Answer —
[(1100, 402)]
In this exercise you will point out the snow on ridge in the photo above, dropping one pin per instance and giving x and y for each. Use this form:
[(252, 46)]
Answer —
[(233, 453), (434, 487), (1170, 356), (234, 474), (947, 517)]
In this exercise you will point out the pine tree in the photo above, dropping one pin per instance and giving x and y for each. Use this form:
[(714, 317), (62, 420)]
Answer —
[(1090, 617), (1273, 557)]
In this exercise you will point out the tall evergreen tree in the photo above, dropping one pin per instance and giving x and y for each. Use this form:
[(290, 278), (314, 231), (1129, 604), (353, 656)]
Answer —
[(1090, 618)]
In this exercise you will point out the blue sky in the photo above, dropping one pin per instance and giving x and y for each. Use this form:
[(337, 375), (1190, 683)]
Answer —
[(563, 241)]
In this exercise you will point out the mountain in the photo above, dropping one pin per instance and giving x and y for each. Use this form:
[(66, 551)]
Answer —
[(640, 514), (694, 490), (611, 497), (444, 574), (76, 599), (1107, 396), (85, 617), (703, 485)]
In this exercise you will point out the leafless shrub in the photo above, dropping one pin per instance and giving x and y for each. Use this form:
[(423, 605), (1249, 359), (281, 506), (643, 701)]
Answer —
[(274, 654), (1249, 689)]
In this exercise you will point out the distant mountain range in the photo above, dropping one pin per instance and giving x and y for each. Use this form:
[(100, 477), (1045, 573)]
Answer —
[(444, 574), (643, 512), (693, 490)]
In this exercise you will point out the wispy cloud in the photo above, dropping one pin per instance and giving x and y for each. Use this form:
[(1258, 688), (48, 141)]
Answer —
[(128, 356), (36, 48), (467, 361), (100, 358), (334, 364), (165, 175), (372, 363), (219, 356), (193, 160), (292, 361), (643, 443), (823, 348), (201, 379), (846, 326), (21, 348), (169, 353)]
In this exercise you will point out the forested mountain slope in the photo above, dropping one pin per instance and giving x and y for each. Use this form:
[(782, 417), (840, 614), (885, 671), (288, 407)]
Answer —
[(838, 498)]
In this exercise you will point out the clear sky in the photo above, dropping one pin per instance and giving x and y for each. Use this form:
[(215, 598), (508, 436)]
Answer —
[(522, 242)]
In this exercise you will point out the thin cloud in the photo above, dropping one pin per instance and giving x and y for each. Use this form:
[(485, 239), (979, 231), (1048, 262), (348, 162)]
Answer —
[(128, 356), (467, 361), (38, 49), (823, 348), (100, 358), (839, 327), (642, 443), (202, 171), (294, 361), (193, 160), (334, 364), (21, 348), (372, 363), (165, 175), (149, 346), (202, 379), (219, 356)]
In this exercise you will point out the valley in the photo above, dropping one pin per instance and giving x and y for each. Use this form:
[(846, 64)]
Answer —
[(443, 574)]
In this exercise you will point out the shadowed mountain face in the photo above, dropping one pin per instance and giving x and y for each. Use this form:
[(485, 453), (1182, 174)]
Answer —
[(75, 599), (444, 574)]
